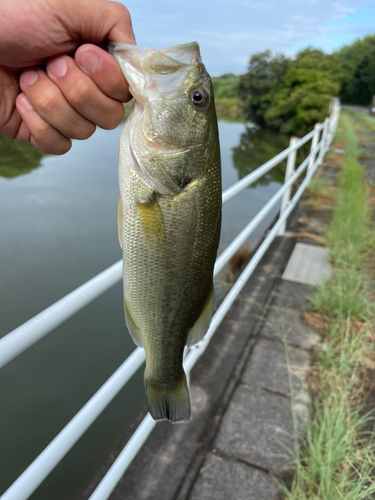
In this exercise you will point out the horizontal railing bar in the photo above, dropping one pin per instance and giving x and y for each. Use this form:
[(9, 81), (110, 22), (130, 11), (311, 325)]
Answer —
[(21, 338), (39, 469), (122, 462), (119, 467), (228, 253), (54, 452), (266, 167), (26, 335), (33, 330)]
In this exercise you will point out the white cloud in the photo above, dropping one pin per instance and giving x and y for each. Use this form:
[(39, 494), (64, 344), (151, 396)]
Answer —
[(229, 31), (341, 10), (357, 28)]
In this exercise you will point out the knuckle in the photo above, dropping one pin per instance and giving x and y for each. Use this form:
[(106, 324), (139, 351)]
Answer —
[(41, 128), (63, 148), (122, 10), (55, 148), (80, 95), (9, 117), (84, 132), (114, 119), (47, 102)]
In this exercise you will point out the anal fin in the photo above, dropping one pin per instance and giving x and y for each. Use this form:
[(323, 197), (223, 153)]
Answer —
[(199, 329), (134, 331)]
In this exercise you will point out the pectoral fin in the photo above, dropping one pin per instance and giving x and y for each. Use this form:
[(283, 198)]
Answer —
[(134, 331), (152, 222), (119, 222), (202, 324)]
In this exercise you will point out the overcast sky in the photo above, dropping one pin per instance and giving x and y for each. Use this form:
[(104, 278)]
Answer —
[(229, 31)]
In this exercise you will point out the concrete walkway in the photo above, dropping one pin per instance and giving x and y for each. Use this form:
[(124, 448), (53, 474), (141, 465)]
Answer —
[(247, 391), (257, 430)]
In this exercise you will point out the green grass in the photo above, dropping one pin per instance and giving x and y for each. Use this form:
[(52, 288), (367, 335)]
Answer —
[(336, 460), (350, 236), (345, 295), (316, 186), (339, 135), (366, 122)]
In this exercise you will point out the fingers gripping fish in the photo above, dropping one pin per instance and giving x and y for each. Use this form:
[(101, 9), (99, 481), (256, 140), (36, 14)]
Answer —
[(169, 213)]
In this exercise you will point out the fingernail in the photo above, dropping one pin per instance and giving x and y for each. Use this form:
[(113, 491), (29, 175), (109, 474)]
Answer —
[(25, 103), (29, 77), (90, 61), (58, 67)]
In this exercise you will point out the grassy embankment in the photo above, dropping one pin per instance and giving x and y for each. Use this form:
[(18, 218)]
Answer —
[(336, 460)]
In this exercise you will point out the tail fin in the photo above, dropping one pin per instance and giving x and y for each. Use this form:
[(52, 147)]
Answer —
[(171, 404)]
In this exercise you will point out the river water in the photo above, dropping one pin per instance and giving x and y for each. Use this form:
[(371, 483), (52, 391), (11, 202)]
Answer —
[(57, 230)]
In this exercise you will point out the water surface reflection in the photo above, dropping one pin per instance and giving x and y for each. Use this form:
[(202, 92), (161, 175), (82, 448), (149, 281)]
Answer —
[(256, 146), (58, 229)]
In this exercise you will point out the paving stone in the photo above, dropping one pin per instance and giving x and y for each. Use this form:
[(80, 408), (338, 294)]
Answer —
[(253, 428), (330, 174), (369, 170), (370, 146), (291, 295), (308, 264), (222, 479), (288, 327), (268, 369)]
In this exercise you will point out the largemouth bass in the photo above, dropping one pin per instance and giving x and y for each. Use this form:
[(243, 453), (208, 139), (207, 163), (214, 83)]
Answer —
[(169, 213)]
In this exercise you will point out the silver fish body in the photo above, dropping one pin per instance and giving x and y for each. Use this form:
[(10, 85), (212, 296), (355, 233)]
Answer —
[(169, 213)]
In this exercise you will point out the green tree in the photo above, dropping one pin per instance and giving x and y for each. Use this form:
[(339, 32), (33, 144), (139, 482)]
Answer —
[(358, 71), (225, 86), (305, 93), (18, 158), (257, 87)]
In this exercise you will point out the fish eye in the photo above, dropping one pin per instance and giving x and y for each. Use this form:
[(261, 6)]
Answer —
[(199, 97)]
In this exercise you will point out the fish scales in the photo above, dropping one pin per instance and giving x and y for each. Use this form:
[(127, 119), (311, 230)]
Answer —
[(169, 213)]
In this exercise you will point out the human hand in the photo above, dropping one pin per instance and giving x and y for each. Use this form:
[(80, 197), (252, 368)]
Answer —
[(48, 97)]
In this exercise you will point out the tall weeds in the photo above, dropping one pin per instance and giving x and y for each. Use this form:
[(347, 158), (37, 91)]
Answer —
[(336, 460)]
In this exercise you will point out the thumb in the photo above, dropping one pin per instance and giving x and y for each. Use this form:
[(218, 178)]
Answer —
[(102, 19)]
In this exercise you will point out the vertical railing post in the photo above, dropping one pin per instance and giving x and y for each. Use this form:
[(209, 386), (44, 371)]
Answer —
[(323, 142), (330, 128), (335, 117), (186, 352), (289, 171), (314, 143)]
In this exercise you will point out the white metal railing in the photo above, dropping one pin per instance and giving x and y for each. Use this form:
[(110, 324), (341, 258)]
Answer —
[(36, 328)]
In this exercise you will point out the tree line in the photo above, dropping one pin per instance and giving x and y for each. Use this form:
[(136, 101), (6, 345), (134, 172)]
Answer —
[(291, 95)]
